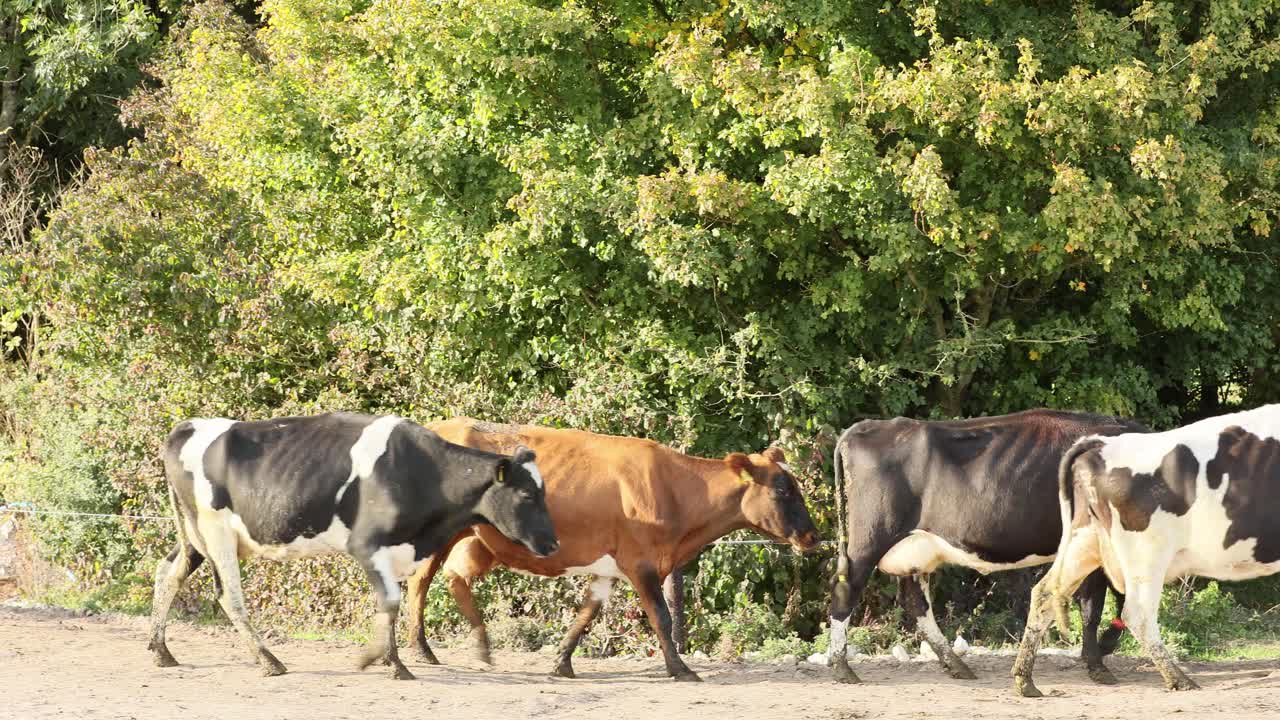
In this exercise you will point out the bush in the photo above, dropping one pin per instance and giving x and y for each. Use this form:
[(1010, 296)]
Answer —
[(747, 626)]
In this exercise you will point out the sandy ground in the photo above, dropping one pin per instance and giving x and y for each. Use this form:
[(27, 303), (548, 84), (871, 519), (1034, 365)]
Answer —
[(57, 664)]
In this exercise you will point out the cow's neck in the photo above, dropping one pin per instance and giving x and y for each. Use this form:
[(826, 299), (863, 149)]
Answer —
[(721, 514)]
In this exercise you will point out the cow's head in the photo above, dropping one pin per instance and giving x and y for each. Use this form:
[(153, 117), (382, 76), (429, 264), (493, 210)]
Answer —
[(516, 504), (772, 502)]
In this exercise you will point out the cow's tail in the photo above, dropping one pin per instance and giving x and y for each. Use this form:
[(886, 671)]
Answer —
[(184, 542), (842, 541), (1066, 484)]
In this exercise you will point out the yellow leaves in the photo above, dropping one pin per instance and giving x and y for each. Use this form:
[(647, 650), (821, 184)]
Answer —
[(1158, 160), (1077, 285), (1034, 355)]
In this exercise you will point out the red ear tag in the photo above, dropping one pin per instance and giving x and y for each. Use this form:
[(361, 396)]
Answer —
[(1118, 624)]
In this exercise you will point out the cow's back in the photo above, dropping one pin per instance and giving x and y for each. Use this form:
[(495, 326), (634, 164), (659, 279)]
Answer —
[(599, 487)]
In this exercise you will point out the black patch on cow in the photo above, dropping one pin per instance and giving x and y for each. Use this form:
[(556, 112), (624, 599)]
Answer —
[(1136, 496), (1251, 467), (281, 476)]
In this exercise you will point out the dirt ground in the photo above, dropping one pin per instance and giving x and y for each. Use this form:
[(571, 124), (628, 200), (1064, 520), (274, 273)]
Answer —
[(57, 664)]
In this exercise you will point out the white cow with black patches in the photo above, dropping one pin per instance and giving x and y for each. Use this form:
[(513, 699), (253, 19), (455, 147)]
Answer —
[(1151, 508), (383, 489)]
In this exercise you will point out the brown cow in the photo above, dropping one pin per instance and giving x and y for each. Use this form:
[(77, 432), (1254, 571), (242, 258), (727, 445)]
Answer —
[(623, 508)]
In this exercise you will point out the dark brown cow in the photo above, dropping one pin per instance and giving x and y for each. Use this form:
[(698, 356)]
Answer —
[(976, 493), (623, 508)]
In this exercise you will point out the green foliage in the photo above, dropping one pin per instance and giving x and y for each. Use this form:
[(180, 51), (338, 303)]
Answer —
[(1193, 623)]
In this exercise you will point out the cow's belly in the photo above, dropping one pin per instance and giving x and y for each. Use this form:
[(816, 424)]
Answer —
[(922, 552), (1233, 563), (604, 566), (333, 539)]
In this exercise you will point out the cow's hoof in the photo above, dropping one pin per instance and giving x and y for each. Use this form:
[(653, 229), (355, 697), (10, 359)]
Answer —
[(563, 669), (842, 673), (1102, 676), (687, 676), (400, 672), (366, 659), (1026, 688), (423, 653), (272, 667), (162, 657), (960, 671), (1183, 683), (482, 656)]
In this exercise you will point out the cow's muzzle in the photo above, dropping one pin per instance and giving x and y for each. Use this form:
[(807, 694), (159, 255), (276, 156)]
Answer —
[(542, 547), (806, 542)]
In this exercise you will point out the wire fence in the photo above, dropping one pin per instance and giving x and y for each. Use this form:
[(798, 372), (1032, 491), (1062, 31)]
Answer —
[(23, 508)]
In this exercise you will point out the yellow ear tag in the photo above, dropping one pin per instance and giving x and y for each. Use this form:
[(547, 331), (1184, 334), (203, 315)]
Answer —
[(502, 474), (844, 578), (744, 476)]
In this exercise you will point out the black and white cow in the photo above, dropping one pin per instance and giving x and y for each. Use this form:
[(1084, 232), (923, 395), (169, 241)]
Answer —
[(975, 493), (1198, 500), (385, 490)]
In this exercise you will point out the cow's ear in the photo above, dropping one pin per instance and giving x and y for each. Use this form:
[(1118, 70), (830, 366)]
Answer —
[(775, 454), (503, 471), (740, 464), (524, 455)]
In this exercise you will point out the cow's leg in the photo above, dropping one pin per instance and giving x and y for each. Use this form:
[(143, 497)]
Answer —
[(419, 585), (222, 549), (847, 586), (916, 600), (382, 640), (171, 573), (1039, 616), (1141, 615), (1092, 596), (1064, 576), (460, 589), (597, 596), (1111, 636), (649, 587)]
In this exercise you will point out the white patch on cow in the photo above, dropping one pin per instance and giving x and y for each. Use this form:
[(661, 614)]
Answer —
[(192, 455), (601, 587), (394, 563), (332, 540), (922, 552), (604, 566), (785, 468), (1194, 540), (370, 446), (839, 637), (532, 469)]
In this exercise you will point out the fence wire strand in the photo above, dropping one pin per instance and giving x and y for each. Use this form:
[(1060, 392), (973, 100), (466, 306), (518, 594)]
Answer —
[(25, 509)]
